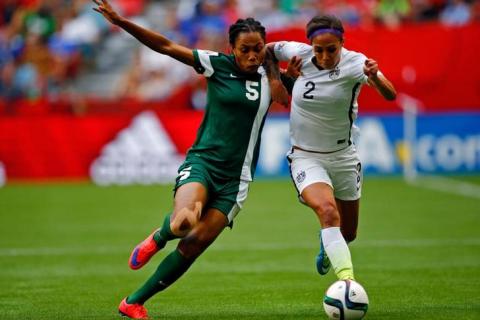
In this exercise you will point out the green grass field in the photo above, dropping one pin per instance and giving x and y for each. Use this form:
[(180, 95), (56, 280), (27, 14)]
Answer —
[(64, 251)]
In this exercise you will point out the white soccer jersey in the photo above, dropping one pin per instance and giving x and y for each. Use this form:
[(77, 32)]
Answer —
[(324, 102)]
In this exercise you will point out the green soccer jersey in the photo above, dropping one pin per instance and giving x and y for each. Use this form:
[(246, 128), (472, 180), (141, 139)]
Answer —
[(228, 139)]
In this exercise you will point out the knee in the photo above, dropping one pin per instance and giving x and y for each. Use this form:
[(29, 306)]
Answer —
[(327, 213), (185, 219), (193, 245)]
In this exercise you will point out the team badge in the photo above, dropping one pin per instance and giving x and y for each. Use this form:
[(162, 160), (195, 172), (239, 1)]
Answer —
[(334, 74), (300, 176)]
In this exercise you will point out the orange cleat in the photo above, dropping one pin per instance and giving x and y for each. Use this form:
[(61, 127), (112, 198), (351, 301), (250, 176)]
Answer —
[(133, 311), (143, 252)]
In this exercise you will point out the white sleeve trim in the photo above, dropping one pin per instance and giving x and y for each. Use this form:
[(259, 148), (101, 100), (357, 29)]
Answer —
[(204, 57)]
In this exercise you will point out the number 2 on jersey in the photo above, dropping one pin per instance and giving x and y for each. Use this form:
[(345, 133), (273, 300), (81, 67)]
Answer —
[(310, 86), (252, 93)]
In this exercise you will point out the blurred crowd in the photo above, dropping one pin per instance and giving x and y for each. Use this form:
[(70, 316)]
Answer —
[(62, 49)]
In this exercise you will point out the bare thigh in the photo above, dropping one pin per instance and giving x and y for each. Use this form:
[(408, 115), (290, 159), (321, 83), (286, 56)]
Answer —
[(188, 195), (190, 199)]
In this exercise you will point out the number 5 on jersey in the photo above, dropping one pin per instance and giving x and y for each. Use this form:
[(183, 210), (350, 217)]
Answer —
[(184, 174), (252, 93)]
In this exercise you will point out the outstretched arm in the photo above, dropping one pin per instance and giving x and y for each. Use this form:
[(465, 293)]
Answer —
[(278, 90), (153, 40), (378, 80)]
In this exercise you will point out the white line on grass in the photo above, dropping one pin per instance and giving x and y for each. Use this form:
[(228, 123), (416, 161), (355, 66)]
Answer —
[(452, 186), (275, 246)]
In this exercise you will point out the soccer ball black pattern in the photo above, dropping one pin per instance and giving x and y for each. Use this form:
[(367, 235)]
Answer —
[(345, 300)]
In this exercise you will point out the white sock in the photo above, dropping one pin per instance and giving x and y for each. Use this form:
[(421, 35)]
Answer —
[(338, 252)]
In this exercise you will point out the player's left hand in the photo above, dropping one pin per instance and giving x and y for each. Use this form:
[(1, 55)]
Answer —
[(294, 67), (104, 7), (370, 68), (279, 92)]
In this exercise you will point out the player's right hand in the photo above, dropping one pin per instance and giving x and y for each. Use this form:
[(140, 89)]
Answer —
[(107, 11), (370, 68)]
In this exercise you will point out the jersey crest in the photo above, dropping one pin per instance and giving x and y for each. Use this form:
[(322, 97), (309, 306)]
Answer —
[(301, 176), (334, 74)]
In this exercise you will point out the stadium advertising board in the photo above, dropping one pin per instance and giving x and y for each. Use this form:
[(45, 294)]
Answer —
[(148, 148), (445, 143)]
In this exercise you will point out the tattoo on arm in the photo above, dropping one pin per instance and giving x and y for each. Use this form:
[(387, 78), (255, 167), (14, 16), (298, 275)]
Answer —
[(271, 64)]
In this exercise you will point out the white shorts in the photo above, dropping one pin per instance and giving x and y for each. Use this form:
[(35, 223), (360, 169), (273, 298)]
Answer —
[(341, 170)]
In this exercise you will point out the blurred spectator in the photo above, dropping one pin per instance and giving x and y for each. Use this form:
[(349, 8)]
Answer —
[(19, 81), (271, 16), (393, 12), (427, 10), (153, 76), (347, 11), (366, 9), (207, 17), (456, 13), (36, 63), (25, 74), (130, 8), (231, 12), (35, 19), (82, 29), (66, 61)]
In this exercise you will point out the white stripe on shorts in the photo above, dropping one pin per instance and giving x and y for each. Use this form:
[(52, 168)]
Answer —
[(241, 197)]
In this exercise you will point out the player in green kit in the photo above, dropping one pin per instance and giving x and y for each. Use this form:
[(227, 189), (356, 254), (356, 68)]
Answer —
[(212, 183)]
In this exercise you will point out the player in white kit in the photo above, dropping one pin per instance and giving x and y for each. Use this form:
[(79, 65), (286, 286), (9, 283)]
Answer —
[(324, 163)]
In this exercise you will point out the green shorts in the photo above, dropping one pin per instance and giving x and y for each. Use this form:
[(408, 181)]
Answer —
[(224, 193)]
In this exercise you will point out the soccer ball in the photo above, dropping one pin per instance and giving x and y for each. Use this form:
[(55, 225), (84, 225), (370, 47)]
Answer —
[(345, 300)]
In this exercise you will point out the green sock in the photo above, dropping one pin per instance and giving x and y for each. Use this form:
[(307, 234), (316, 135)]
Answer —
[(169, 270), (164, 234)]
